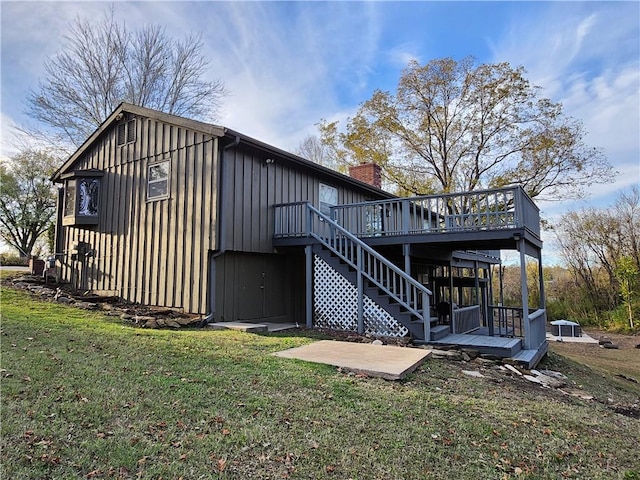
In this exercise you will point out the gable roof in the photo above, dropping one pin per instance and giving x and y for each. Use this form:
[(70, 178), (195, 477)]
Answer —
[(217, 131)]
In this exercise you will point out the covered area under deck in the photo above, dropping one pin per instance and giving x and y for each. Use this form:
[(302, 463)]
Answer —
[(450, 245)]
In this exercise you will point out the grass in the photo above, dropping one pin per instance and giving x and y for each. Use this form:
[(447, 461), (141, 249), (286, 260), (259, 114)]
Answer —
[(84, 396)]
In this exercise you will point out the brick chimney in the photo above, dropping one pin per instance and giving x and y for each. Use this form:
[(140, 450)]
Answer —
[(370, 173)]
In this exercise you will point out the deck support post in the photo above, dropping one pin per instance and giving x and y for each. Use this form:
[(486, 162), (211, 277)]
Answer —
[(543, 300), (360, 285), (525, 293), (476, 285), (309, 285), (406, 251), (490, 301)]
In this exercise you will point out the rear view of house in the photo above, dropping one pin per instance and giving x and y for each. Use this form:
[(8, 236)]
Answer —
[(167, 211)]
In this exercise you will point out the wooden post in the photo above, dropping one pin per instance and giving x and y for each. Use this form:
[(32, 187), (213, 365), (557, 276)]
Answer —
[(406, 251), (490, 301), (360, 284), (525, 294), (309, 286)]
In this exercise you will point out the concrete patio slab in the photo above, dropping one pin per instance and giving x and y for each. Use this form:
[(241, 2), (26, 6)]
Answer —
[(583, 339), (385, 361), (252, 327)]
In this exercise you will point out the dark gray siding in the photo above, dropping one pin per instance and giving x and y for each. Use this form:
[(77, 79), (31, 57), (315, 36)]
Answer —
[(259, 287), (155, 252), (251, 187)]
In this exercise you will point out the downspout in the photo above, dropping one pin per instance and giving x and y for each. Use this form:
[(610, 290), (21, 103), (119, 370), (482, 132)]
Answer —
[(222, 214)]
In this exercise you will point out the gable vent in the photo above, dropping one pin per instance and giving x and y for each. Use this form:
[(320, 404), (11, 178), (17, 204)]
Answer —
[(126, 132)]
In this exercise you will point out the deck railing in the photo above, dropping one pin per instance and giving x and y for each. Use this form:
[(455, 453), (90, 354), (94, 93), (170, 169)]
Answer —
[(465, 319), (503, 208), (537, 329), (302, 219), (507, 321)]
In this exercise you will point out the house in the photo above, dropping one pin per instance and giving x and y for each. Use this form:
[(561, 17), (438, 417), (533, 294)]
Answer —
[(167, 211)]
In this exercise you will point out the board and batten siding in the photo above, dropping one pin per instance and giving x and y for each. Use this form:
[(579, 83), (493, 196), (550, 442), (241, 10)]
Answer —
[(150, 252), (252, 186)]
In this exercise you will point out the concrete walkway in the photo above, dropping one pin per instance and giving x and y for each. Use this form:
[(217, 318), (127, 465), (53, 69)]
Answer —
[(391, 363), (252, 327)]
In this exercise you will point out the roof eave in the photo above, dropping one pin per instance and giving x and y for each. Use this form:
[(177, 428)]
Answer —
[(142, 112)]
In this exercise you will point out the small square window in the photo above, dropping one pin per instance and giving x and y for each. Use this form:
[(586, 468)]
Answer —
[(158, 180)]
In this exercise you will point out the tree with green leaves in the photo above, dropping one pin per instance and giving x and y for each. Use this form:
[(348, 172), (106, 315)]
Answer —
[(104, 63), (458, 126), (27, 198)]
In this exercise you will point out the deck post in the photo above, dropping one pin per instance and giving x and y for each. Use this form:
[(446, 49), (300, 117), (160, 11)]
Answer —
[(525, 294), (406, 251), (360, 285), (543, 300), (490, 302), (309, 286), (477, 284), (426, 317)]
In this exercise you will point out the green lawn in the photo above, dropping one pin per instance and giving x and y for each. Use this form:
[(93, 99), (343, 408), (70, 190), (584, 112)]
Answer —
[(84, 396)]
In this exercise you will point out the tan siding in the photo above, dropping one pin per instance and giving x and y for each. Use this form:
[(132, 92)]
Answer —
[(151, 252)]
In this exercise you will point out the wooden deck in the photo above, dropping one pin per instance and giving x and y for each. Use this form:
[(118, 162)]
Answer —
[(499, 346)]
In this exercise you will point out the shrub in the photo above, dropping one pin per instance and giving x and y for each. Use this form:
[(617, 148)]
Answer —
[(11, 259)]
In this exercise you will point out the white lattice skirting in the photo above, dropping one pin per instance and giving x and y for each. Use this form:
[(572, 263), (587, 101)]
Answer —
[(335, 305)]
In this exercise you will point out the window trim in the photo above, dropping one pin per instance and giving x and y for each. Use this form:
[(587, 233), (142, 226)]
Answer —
[(167, 193), (70, 213), (323, 206)]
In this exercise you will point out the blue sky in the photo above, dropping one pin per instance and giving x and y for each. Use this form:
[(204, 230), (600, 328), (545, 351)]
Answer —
[(289, 64)]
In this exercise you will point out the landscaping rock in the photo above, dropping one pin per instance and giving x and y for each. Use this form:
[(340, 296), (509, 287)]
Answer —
[(473, 373), (473, 354), (554, 374), (610, 346), (171, 323), (484, 361), (66, 300), (152, 323), (488, 356), (141, 319), (87, 305), (185, 321), (626, 377), (447, 354), (377, 342), (513, 369), (604, 340)]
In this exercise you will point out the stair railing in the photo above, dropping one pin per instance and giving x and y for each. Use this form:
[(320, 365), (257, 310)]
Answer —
[(368, 263)]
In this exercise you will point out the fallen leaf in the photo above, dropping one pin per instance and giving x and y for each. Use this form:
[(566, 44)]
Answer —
[(222, 463)]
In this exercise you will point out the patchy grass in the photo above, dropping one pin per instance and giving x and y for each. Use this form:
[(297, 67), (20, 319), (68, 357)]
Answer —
[(592, 364), (84, 396)]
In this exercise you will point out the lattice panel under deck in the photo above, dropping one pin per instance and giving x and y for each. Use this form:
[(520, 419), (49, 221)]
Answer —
[(335, 305)]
